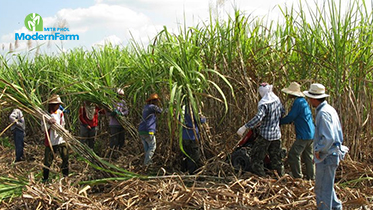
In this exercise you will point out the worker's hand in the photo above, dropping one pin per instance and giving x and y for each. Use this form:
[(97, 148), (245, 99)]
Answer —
[(89, 127), (52, 121), (113, 113), (317, 155), (241, 130)]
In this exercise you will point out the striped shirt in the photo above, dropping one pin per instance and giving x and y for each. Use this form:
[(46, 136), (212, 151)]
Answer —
[(268, 116)]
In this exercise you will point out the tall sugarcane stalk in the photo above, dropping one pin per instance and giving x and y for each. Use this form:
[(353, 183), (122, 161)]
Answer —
[(319, 45), (83, 150)]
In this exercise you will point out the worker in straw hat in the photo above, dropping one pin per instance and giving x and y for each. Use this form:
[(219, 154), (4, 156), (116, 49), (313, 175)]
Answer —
[(147, 127), (54, 142), (300, 114), (327, 145)]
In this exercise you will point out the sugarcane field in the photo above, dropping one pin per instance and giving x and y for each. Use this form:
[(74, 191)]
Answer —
[(179, 123)]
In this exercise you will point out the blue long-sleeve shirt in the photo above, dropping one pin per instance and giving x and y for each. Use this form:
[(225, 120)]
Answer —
[(149, 119), (191, 132), (328, 133), (301, 115)]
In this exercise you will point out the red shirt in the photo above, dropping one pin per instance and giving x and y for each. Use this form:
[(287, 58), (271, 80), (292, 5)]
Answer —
[(85, 121)]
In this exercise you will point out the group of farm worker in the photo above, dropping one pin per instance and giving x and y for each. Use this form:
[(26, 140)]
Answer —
[(88, 117), (190, 133), (319, 143)]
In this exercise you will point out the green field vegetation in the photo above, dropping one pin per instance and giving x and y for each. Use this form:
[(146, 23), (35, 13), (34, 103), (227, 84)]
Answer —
[(218, 64)]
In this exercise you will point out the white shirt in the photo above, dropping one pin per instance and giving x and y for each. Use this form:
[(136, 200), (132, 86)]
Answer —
[(55, 137)]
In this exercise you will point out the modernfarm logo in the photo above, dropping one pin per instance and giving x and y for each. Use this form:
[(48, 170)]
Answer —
[(34, 23)]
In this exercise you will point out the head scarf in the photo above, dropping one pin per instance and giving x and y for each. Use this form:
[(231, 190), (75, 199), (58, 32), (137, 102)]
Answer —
[(90, 110), (265, 91)]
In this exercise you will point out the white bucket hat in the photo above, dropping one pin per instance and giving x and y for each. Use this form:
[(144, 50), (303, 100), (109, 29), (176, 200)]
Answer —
[(316, 91), (293, 89)]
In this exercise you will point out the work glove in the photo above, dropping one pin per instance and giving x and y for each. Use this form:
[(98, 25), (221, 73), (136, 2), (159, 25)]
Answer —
[(114, 113), (241, 130), (52, 121)]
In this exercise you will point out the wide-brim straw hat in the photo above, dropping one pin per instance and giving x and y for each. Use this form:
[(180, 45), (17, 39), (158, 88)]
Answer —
[(153, 96), (293, 89), (316, 91), (55, 99)]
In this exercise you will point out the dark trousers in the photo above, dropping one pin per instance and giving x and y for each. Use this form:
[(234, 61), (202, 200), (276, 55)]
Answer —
[(259, 150), (88, 136), (61, 149), (192, 162), (301, 150), (18, 136), (116, 136)]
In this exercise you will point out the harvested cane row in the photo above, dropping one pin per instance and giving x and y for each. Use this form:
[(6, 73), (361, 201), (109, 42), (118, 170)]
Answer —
[(176, 193), (167, 190)]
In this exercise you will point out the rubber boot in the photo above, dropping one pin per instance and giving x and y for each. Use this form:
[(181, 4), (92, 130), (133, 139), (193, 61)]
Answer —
[(281, 171), (65, 172), (45, 174)]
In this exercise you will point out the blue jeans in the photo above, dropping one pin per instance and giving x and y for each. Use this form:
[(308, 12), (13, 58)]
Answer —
[(326, 198), (149, 143), (18, 142)]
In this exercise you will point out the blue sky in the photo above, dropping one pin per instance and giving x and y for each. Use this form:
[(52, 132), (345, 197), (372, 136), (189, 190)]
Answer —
[(117, 21)]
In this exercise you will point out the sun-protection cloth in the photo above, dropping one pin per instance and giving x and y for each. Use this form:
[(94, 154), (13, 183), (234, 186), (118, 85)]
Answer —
[(120, 91), (55, 99), (316, 91), (265, 91), (293, 89)]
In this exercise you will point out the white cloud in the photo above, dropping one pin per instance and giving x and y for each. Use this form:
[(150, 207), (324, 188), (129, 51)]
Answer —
[(103, 20), (166, 12), (113, 39), (102, 16)]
